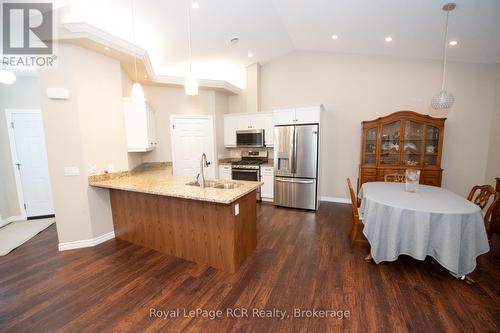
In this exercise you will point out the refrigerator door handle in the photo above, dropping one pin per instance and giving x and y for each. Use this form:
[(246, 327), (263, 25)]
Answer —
[(286, 180), (294, 156), (292, 153)]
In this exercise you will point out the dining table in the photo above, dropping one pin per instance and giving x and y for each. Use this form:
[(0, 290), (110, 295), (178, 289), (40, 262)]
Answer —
[(431, 221)]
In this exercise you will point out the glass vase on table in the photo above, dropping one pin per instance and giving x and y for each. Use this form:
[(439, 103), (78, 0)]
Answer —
[(412, 180)]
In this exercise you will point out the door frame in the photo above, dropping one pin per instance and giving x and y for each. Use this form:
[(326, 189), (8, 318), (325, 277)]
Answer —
[(13, 153), (215, 161)]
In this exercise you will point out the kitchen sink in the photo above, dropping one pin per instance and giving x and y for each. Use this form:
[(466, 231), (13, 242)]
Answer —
[(216, 184)]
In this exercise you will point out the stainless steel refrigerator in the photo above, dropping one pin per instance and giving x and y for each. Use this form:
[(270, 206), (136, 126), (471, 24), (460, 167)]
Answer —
[(296, 166)]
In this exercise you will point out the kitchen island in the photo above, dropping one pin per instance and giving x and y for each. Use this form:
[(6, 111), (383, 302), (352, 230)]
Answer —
[(213, 226)]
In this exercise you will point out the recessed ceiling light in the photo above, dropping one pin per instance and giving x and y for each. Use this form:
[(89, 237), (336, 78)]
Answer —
[(195, 5), (250, 55), (388, 39), (106, 48), (335, 37), (453, 43)]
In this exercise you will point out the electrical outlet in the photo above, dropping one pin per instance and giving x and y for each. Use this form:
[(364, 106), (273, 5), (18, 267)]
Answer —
[(237, 209), (93, 169), (111, 167)]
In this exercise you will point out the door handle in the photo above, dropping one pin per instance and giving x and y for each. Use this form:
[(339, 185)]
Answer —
[(18, 166), (294, 181)]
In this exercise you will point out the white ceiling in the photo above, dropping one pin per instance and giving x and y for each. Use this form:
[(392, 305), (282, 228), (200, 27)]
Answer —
[(272, 28)]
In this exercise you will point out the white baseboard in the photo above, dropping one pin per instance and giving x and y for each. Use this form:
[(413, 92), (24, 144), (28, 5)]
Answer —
[(86, 242), (12, 219), (335, 199), (267, 199)]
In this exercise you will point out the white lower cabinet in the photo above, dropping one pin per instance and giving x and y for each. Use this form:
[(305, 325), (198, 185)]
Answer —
[(225, 171), (267, 177)]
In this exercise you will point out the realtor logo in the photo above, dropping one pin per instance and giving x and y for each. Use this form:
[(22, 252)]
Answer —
[(27, 28)]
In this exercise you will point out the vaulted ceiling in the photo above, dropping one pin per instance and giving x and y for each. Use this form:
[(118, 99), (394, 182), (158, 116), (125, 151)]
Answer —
[(271, 28)]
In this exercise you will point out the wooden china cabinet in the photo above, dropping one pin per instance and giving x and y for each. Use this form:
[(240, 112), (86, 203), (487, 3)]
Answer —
[(402, 140)]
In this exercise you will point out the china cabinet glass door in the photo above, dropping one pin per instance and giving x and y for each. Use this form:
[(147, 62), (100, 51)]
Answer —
[(371, 145), (431, 145), (413, 143), (390, 143)]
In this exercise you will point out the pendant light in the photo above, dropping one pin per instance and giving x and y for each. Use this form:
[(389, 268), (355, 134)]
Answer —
[(444, 99), (137, 92), (6, 76), (191, 83)]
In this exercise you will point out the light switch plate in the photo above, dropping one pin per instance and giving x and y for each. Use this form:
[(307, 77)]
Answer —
[(58, 93), (236, 209), (71, 171)]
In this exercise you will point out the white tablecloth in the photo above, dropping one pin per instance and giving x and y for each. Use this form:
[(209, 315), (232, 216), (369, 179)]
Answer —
[(431, 222)]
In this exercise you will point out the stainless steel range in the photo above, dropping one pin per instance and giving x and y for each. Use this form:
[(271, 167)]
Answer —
[(248, 168)]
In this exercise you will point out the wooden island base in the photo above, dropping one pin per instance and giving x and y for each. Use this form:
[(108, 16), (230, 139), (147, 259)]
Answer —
[(203, 232)]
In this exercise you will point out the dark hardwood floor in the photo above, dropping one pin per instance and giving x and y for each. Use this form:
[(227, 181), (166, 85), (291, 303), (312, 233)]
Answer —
[(303, 260)]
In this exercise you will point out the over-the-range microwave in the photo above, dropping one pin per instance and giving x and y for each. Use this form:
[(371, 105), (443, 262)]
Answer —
[(250, 138)]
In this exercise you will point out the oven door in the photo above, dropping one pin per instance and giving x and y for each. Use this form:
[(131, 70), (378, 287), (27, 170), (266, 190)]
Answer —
[(245, 174), (250, 138)]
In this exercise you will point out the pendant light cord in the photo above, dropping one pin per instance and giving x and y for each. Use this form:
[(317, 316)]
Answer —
[(189, 37), (445, 51), (133, 37)]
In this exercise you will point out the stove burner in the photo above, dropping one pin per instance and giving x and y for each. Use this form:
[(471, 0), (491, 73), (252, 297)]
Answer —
[(247, 163)]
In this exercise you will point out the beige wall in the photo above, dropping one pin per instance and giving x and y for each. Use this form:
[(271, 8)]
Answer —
[(493, 165), (252, 90), (168, 101), (355, 88), (85, 130), (23, 94), (221, 106)]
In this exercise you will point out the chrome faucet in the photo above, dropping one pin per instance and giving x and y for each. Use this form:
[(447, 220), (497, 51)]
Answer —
[(201, 176)]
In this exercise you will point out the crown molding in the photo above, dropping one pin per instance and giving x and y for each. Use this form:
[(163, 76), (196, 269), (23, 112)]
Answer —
[(91, 37)]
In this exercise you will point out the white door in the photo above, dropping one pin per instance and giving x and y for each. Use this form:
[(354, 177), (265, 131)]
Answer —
[(191, 137), (32, 163)]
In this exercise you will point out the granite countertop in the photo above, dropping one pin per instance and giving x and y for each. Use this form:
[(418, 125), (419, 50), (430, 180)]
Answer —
[(159, 180), (228, 160)]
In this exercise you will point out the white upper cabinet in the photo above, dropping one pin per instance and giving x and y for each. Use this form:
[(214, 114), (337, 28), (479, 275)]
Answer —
[(230, 125), (299, 115), (284, 116), (248, 121), (308, 115), (269, 129), (139, 126)]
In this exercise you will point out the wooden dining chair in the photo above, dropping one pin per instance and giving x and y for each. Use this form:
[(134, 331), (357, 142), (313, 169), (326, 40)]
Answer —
[(357, 220), (395, 178), (487, 199)]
